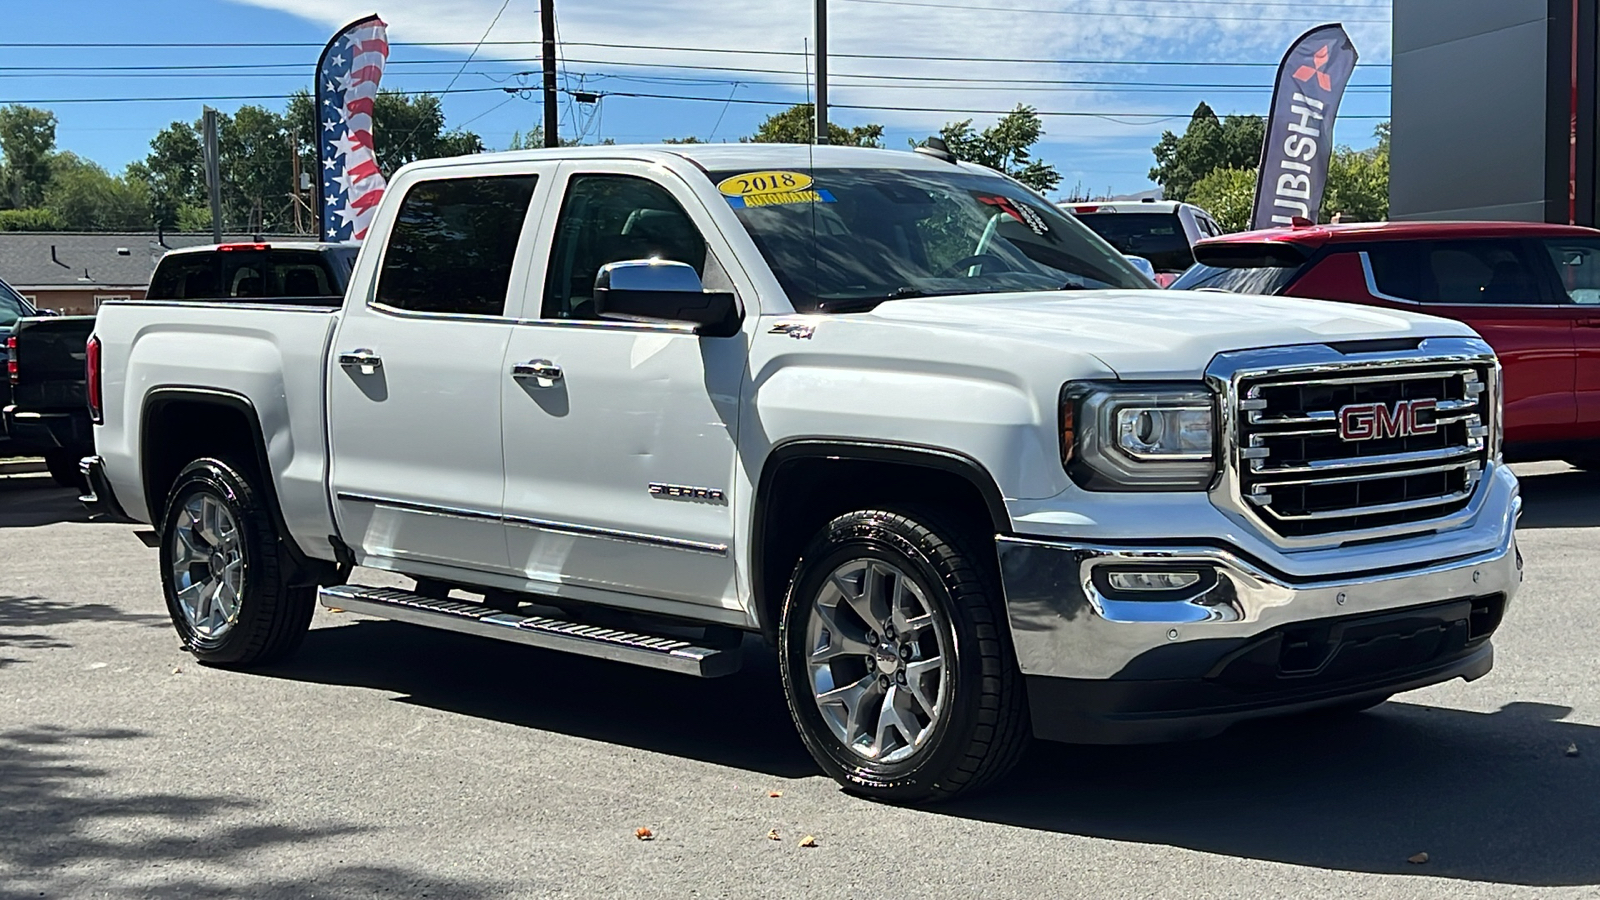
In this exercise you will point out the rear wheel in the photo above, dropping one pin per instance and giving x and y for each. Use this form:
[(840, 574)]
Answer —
[(63, 466), (895, 660), (222, 570)]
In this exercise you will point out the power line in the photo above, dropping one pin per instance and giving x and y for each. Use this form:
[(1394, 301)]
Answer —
[(1129, 15)]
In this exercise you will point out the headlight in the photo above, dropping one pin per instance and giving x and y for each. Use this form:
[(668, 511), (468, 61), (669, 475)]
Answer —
[(1126, 437)]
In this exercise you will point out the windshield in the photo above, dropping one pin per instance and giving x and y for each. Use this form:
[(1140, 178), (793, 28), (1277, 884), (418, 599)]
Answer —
[(1157, 237), (12, 306), (842, 239)]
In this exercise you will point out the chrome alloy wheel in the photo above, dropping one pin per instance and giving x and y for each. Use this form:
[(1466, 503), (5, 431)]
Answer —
[(208, 566), (876, 657)]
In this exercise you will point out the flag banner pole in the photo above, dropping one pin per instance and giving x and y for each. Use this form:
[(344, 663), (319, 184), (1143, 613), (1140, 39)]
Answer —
[(348, 74), (1305, 99)]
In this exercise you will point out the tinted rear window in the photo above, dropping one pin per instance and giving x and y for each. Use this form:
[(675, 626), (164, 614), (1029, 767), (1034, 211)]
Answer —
[(1157, 237), (1240, 280), (276, 275)]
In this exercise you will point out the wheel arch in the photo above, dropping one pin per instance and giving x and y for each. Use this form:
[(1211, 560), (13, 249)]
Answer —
[(852, 475), (235, 435)]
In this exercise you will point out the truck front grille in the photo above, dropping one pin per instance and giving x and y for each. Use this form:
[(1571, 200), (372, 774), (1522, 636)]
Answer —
[(1306, 475)]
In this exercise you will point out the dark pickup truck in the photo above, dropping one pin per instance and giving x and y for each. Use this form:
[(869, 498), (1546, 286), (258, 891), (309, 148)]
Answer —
[(46, 411), (49, 414)]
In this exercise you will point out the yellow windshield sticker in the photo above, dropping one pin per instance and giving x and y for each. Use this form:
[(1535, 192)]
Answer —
[(771, 189)]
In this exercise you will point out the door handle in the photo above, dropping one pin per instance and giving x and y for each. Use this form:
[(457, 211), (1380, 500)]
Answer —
[(365, 360), (539, 369)]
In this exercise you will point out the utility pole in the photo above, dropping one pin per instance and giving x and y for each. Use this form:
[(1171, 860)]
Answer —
[(822, 71), (213, 172), (547, 29)]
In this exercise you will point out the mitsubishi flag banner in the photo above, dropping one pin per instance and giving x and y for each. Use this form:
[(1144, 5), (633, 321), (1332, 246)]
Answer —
[(347, 84), (1294, 159)]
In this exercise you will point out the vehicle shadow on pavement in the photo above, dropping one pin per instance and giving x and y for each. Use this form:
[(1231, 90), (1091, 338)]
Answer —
[(740, 720), (61, 836), (1489, 797), (1565, 499), (28, 501), (23, 621)]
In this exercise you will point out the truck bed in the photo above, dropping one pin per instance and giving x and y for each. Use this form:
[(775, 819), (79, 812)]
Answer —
[(267, 359)]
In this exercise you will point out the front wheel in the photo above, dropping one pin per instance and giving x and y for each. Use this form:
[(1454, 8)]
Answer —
[(223, 573), (895, 661), (63, 468)]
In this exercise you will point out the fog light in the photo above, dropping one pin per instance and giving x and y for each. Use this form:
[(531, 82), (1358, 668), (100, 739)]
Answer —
[(1152, 581)]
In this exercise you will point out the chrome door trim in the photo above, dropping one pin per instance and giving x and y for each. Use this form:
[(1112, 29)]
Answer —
[(426, 509), (634, 537), (609, 325)]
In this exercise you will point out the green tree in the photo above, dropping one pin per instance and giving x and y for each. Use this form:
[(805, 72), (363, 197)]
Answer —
[(27, 139), (85, 197), (1227, 194), (797, 125), (1358, 182), (1208, 143), (1006, 146), (175, 173), (30, 220)]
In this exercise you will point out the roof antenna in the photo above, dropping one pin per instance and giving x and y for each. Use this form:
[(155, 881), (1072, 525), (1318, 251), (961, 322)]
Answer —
[(938, 149)]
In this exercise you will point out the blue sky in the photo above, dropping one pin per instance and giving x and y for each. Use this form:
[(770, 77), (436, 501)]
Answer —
[(1105, 144)]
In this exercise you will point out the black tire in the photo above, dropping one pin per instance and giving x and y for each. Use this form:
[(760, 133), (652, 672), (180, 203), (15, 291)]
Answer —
[(63, 466), (272, 618), (981, 734)]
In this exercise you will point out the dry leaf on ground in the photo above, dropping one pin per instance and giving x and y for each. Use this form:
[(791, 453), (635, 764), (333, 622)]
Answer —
[(774, 793), (808, 841), (1572, 749), (773, 835), (1418, 858), (645, 834)]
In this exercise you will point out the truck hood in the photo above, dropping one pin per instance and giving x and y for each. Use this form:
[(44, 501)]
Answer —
[(1160, 334)]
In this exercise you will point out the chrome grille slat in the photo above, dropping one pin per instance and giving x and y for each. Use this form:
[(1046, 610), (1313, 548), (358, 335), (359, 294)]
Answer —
[(1303, 481), (1362, 462), (1470, 465)]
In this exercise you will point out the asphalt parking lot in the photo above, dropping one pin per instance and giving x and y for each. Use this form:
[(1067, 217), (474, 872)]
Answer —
[(386, 760)]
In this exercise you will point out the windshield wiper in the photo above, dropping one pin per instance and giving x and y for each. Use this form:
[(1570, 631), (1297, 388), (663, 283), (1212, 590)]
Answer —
[(863, 304)]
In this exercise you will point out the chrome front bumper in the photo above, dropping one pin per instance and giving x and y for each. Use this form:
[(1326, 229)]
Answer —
[(1067, 630)]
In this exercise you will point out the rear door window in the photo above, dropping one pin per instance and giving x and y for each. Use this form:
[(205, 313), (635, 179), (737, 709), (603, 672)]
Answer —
[(1577, 263), (1158, 237), (453, 245), (1467, 273)]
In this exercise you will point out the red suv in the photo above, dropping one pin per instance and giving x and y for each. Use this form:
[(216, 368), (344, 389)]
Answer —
[(1531, 290)]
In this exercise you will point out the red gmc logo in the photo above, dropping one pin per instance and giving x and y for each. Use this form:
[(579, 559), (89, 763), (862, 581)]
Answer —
[(1375, 421)]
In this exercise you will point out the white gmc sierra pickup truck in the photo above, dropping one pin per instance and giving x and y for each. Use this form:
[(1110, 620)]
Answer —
[(939, 444)]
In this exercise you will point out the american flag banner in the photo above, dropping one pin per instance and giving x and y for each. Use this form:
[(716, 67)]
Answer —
[(347, 85)]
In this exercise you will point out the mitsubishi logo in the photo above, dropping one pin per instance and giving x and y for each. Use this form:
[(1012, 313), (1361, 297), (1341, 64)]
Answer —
[(1377, 421), (1319, 59)]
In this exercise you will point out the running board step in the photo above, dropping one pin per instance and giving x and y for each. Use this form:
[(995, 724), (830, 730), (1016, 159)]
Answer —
[(657, 652)]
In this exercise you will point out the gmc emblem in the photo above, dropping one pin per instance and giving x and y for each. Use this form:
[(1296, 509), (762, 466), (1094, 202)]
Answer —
[(1375, 421)]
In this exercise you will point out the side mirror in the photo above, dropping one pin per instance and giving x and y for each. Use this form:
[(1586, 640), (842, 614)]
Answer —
[(659, 291), (1142, 264), (48, 312)]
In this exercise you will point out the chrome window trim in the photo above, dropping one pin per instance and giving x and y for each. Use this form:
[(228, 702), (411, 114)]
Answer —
[(610, 325), (1228, 370), (379, 306), (474, 515), (1372, 282)]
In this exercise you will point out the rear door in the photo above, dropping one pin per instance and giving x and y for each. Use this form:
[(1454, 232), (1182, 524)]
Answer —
[(415, 371), (1499, 288), (1576, 269)]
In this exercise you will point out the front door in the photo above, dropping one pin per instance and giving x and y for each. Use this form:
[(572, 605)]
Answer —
[(414, 378), (619, 436)]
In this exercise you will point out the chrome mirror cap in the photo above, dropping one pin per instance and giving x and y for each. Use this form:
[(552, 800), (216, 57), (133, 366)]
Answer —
[(648, 275)]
